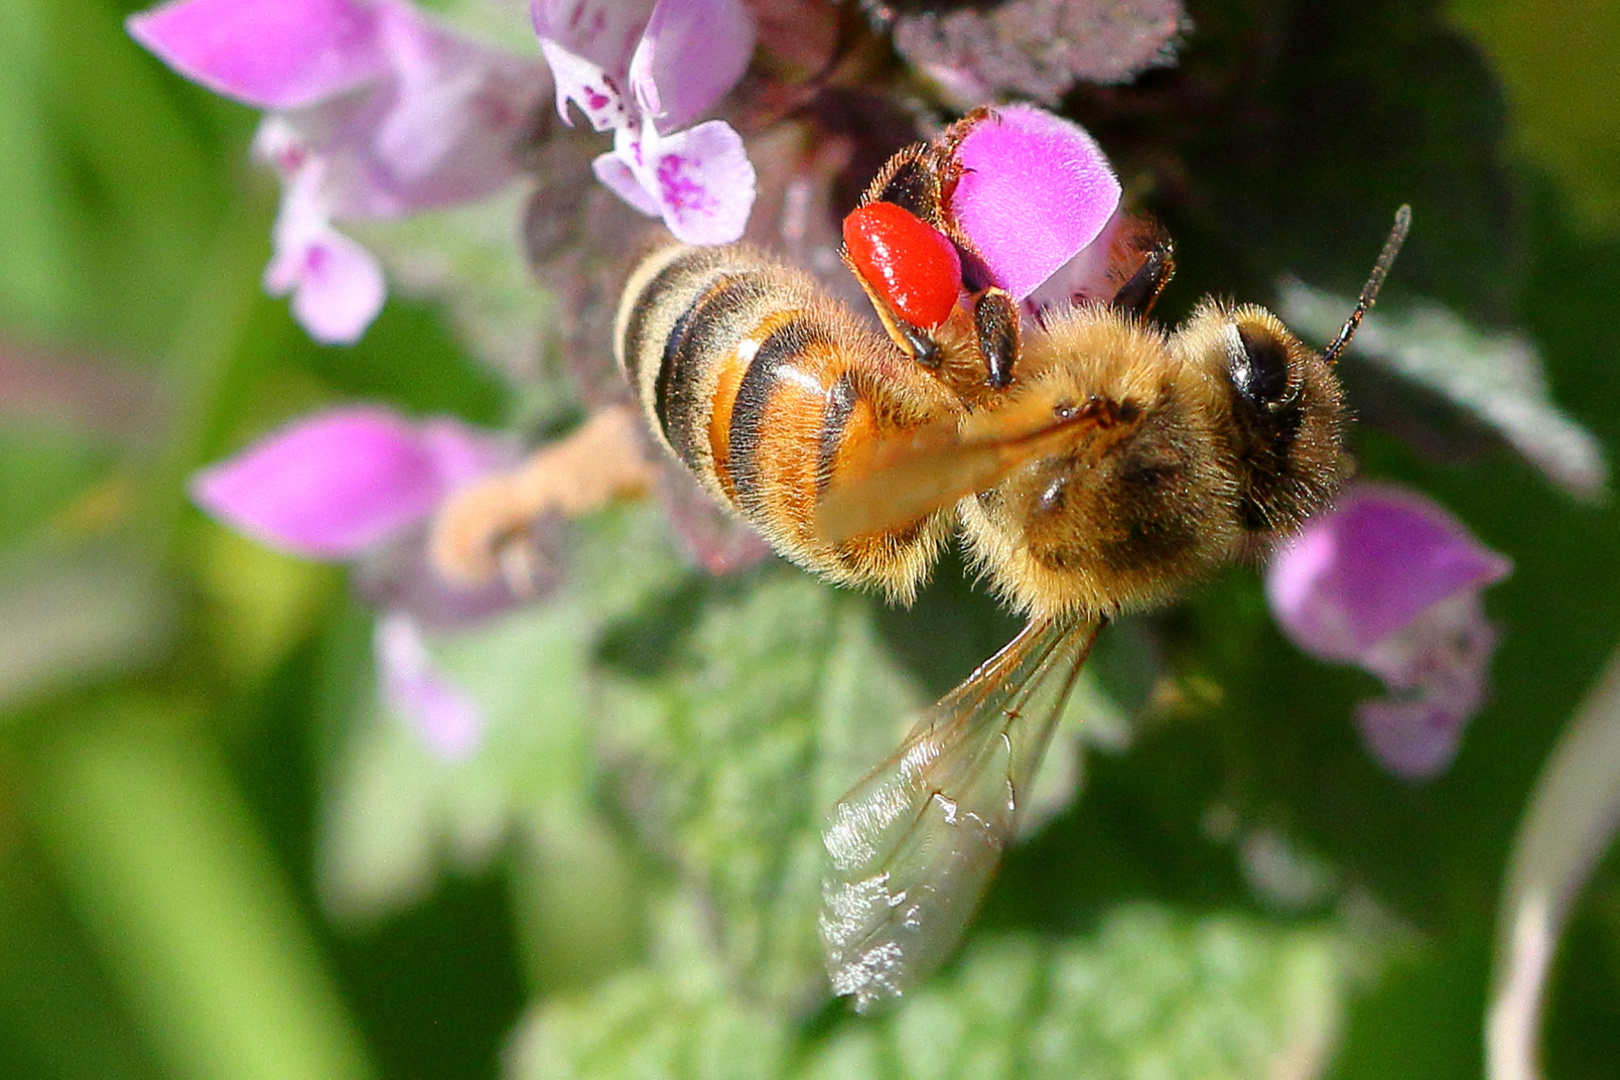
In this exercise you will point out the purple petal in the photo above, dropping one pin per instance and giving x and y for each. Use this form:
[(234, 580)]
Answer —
[(272, 54), (691, 54), (588, 44), (1435, 671), (442, 713), (337, 285), (1412, 738), (703, 181), (339, 290), (450, 130), (1362, 571), (1036, 189), (620, 179), (443, 127), (603, 32), (587, 85), (1087, 275), (328, 486), (462, 454)]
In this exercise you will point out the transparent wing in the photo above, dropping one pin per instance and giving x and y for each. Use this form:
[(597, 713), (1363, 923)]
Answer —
[(915, 843), (898, 480)]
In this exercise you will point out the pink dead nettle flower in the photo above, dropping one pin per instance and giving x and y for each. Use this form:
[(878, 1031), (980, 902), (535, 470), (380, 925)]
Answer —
[(645, 70), (375, 113), (358, 484), (1391, 582)]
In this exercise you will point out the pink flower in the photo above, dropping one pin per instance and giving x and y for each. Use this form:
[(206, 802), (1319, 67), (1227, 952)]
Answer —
[(414, 688), (1036, 191), (359, 484), (340, 483), (275, 54), (644, 71), (379, 113), (1389, 581)]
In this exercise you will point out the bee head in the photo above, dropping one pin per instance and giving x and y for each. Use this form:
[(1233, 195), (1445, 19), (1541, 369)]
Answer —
[(1286, 411)]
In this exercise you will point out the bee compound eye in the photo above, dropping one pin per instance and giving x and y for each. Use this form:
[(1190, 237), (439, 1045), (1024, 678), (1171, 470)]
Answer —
[(1258, 365)]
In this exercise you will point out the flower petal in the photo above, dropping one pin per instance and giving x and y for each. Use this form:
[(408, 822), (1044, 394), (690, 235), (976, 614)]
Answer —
[(273, 54), (1435, 670), (339, 289), (620, 179), (1035, 190), (451, 127), (703, 181), (588, 85), (603, 32), (1412, 738), (413, 687), (462, 454), (1367, 568), (588, 44), (337, 285), (328, 486), (690, 55)]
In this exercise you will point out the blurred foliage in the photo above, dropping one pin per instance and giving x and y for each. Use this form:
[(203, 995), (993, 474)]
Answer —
[(220, 859)]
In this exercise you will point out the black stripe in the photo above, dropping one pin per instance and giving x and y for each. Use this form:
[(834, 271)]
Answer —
[(841, 401), (694, 333), (779, 350), (635, 328)]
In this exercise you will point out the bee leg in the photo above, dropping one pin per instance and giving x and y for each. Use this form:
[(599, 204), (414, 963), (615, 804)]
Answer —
[(478, 532), (1142, 289), (995, 327), (919, 343), (911, 181)]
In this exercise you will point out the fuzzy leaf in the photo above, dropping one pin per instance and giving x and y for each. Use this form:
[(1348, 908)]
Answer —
[(1499, 378), (1152, 993), (768, 704), (397, 811)]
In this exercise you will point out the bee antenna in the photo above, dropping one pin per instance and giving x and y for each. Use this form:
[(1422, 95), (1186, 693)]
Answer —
[(1375, 280)]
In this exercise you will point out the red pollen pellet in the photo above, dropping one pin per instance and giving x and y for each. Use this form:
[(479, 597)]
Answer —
[(911, 265)]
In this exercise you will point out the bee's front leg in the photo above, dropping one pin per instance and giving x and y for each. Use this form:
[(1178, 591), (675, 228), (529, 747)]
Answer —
[(996, 330)]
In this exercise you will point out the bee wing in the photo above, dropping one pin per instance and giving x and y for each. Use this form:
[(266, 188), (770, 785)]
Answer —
[(914, 844), (898, 480)]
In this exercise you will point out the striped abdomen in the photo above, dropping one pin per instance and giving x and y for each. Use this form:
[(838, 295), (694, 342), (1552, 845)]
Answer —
[(761, 385)]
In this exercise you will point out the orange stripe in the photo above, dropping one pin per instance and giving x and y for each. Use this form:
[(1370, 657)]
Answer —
[(732, 370)]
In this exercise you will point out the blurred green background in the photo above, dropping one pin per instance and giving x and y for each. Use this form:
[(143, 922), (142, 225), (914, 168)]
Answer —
[(215, 864)]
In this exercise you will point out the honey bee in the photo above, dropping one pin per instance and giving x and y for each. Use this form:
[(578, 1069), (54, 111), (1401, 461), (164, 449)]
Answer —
[(1091, 462)]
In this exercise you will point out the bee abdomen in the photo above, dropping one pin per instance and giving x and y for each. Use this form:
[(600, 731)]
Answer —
[(758, 382)]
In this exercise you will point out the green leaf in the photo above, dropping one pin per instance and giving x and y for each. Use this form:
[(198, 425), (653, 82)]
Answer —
[(728, 751), (470, 259), (398, 813), (1498, 377), (1153, 992), (676, 1018), (160, 857)]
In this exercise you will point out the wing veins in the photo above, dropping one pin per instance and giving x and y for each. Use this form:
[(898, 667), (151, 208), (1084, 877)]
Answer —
[(906, 881)]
